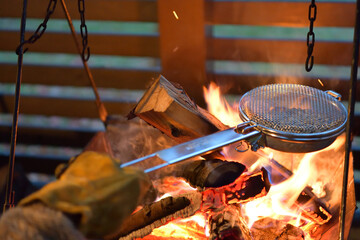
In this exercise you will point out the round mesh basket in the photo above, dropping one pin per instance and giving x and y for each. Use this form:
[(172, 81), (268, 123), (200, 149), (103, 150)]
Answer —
[(292, 108)]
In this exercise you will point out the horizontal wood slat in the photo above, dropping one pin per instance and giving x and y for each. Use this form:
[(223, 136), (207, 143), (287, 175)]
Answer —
[(278, 51), (115, 10), (259, 50), (45, 136), (53, 131), (38, 164), (239, 84), (218, 12), (65, 76), (105, 78), (65, 107), (53, 123), (36, 158), (274, 13), (147, 46)]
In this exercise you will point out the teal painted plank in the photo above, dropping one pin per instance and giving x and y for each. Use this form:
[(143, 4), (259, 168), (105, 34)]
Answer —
[(333, 34), (53, 122), (74, 60), (279, 69), (151, 29), (76, 93), (94, 27), (45, 152)]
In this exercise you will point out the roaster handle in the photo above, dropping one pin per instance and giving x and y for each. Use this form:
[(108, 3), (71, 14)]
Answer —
[(199, 146)]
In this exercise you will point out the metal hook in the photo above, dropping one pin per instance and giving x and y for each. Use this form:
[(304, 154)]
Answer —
[(17, 51), (83, 54), (239, 149), (307, 66)]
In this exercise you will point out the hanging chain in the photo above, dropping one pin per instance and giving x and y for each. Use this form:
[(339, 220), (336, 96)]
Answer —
[(310, 39), (41, 28), (83, 31)]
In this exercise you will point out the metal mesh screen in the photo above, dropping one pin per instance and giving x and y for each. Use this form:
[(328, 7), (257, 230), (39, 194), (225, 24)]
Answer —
[(292, 108)]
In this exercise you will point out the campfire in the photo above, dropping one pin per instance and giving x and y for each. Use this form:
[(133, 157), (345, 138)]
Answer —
[(231, 193)]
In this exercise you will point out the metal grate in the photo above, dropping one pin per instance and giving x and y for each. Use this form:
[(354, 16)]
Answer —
[(292, 108)]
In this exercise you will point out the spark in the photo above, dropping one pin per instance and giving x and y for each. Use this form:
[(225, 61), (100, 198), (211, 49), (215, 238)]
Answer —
[(320, 82), (176, 16)]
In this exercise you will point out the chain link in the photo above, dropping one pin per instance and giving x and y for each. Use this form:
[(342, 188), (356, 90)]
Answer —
[(85, 54), (310, 38), (41, 28)]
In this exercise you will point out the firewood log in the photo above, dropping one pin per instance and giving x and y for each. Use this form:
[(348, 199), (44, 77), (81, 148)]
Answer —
[(156, 214), (210, 172), (242, 190), (313, 208), (224, 223), (270, 229), (142, 222), (167, 107)]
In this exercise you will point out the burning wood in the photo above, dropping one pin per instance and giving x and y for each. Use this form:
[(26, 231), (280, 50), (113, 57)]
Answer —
[(311, 206), (142, 222), (166, 107), (244, 189), (270, 229), (225, 223), (210, 173)]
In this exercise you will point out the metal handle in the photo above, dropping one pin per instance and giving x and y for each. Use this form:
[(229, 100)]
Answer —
[(334, 94), (197, 147)]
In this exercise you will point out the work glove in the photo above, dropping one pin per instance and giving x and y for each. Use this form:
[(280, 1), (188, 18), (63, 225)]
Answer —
[(94, 190)]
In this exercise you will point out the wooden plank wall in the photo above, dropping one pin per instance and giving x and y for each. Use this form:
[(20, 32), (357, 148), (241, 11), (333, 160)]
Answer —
[(55, 88), (283, 51), (242, 44)]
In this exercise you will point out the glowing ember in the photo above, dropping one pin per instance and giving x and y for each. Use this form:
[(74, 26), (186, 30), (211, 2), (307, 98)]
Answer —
[(193, 227), (318, 171), (171, 186), (320, 82), (188, 228), (281, 198), (279, 202), (176, 16)]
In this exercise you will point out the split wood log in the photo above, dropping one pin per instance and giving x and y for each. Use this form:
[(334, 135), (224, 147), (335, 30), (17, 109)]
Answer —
[(156, 214), (312, 207), (225, 223), (210, 173), (242, 190), (142, 222), (167, 107), (270, 229)]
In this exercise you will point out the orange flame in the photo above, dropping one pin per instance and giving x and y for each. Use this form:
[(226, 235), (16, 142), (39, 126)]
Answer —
[(188, 228), (218, 106), (280, 201), (281, 198), (193, 227)]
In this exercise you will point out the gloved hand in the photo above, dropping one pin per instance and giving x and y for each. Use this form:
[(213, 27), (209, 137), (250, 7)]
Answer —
[(96, 191)]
